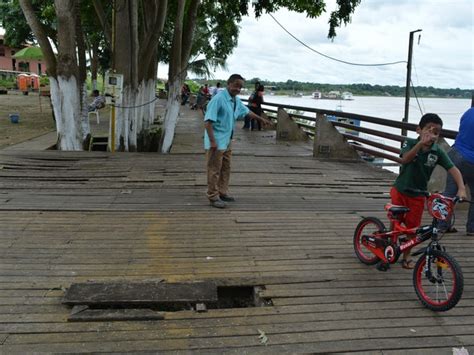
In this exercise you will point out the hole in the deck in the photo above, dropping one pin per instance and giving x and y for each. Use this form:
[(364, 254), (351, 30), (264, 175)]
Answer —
[(240, 297), (149, 301)]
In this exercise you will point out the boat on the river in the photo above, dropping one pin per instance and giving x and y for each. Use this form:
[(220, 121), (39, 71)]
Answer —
[(296, 94), (317, 95), (347, 96), (332, 95), (351, 121)]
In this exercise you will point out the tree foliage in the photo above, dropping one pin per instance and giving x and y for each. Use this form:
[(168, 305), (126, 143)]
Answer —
[(17, 30)]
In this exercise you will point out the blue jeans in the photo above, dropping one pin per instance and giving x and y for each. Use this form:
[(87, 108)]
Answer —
[(467, 171)]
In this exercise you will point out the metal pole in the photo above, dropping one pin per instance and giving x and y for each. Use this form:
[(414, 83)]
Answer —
[(112, 111), (407, 87)]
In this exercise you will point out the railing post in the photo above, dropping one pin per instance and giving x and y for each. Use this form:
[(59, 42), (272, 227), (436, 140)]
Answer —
[(329, 143), (287, 129)]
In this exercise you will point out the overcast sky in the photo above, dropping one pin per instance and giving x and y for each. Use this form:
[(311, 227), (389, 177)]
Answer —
[(378, 33)]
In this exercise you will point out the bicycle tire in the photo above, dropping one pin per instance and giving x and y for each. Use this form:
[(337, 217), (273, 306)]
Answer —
[(372, 224), (450, 282)]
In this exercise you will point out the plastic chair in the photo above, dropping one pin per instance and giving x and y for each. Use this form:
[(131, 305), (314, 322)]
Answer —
[(96, 113)]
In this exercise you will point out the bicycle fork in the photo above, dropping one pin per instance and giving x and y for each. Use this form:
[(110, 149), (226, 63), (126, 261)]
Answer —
[(428, 255)]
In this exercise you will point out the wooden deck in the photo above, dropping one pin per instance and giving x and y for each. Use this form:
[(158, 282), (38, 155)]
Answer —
[(70, 217)]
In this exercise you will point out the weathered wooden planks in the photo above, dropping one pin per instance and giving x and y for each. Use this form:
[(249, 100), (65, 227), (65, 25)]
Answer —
[(70, 217)]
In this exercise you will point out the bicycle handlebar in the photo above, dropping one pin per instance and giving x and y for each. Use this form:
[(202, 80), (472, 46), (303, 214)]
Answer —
[(425, 193)]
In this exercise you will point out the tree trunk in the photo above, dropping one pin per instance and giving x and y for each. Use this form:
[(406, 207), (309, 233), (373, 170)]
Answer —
[(66, 86), (94, 57), (68, 89), (180, 52), (172, 105), (171, 115), (126, 63), (135, 58)]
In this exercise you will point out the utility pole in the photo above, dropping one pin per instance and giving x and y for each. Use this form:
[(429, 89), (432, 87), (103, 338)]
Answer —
[(407, 87), (112, 109)]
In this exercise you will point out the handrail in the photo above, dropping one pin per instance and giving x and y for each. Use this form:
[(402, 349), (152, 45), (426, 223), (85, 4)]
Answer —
[(371, 119), (269, 107), (377, 153), (369, 142), (374, 132)]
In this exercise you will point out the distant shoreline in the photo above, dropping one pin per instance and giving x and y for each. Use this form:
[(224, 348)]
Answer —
[(295, 87)]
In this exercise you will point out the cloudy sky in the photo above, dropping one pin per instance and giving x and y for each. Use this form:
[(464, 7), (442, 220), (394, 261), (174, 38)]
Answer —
[(378, 33)]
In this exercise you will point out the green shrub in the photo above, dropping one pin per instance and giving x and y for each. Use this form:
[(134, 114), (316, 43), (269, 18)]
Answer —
[(7, 83), (44, 80)]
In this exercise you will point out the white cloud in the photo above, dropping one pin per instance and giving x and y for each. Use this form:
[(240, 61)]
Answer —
[(378, 33)]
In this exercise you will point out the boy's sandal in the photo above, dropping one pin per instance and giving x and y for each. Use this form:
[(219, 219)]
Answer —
[(408, 264)]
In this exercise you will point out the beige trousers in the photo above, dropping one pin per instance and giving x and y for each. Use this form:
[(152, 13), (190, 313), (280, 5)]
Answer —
[(218, 172)]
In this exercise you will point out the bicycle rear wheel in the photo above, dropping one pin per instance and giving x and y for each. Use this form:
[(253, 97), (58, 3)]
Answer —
[(368, 226), (443, 289)]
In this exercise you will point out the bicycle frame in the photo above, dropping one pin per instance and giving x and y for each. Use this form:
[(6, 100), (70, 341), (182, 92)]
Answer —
[(390, 251)]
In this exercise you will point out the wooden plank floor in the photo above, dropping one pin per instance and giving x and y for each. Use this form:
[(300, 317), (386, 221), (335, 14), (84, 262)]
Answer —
[(69, 217)]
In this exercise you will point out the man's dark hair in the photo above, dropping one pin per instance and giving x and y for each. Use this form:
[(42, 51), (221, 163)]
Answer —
[(260, 87), (95, 92), (234, 77), (430, 118)]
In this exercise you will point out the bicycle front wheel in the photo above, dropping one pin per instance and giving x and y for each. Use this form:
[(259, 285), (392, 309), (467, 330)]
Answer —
[(441, 289)]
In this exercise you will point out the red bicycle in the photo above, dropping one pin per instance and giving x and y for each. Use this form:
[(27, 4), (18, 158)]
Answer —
[(437, 277)]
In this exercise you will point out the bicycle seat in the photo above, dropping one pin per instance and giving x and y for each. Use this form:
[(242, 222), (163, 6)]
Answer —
[(396, 210)]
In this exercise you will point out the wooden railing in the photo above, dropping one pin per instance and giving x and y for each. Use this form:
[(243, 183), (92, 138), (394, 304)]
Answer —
[(306, 118)]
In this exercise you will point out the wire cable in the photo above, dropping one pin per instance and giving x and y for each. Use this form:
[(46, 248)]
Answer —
[(418, 80), (416, 96), (145, 104), (332, 58)]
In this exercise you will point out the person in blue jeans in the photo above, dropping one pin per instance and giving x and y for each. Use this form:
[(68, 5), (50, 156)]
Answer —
[(462, 155)]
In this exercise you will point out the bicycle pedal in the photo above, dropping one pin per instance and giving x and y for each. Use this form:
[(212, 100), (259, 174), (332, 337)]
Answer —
[(382, 266)]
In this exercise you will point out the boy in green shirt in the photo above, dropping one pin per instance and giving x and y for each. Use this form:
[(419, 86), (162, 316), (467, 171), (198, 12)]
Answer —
[(419, 158)]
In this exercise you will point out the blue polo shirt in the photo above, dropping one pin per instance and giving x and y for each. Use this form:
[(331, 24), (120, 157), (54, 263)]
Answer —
[(464, 143), (223, 110)]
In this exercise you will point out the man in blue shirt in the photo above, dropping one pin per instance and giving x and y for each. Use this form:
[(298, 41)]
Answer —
[(462, 155), (221, 114)]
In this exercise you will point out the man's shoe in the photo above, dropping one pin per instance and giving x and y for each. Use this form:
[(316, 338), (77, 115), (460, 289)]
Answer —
[(218, 203), (470, 233), (227, 198)]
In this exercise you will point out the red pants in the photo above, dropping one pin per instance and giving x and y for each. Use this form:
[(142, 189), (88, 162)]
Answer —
[(416, 205)]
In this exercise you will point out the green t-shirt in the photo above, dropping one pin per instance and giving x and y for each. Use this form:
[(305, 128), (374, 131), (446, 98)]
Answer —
[(416, 174)]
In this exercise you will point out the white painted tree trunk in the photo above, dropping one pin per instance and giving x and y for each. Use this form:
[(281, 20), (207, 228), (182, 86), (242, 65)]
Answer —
[(71, 122), (136, 114), (122, 120), (148, 97), (85, 124), (171, 116)]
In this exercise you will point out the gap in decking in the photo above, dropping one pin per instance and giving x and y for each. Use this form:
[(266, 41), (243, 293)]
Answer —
[(120, 302), (227, 297), (240, 297)]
